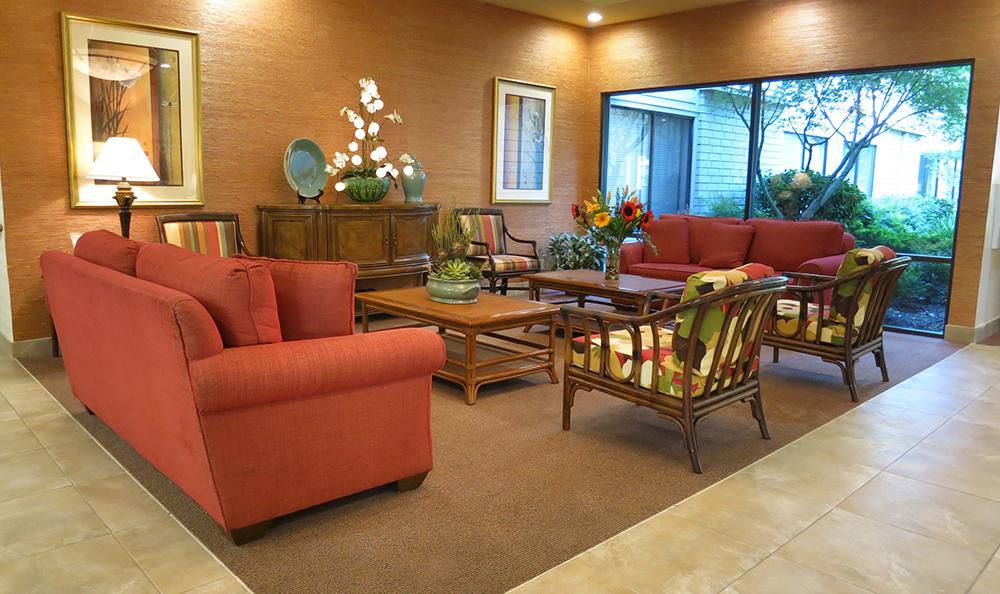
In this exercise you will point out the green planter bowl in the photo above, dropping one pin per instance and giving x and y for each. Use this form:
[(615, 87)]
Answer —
[(453, 291), (366, 189)]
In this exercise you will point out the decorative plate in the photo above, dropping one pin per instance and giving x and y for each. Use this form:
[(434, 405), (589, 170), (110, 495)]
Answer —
[(305, 167)]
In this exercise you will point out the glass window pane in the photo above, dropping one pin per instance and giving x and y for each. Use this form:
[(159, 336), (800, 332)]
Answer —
[(628, 150), (921, 298), (699, 148)]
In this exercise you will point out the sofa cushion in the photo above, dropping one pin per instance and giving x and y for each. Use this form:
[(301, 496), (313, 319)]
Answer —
[(238, 294), (728, 247), (315, 299), (856, 260), (675, 272), (698, 231), (785, 245), (672, 241), (109, 250)]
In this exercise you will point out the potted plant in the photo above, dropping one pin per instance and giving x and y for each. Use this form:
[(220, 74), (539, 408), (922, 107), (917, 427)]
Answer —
[(365, 170), (453, 278), (610, 221)]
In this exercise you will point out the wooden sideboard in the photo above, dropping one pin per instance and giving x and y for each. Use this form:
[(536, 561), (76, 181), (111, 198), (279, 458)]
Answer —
[(390, 243)]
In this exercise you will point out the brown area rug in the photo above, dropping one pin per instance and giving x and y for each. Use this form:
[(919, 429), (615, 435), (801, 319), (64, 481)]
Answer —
[(511, 494)]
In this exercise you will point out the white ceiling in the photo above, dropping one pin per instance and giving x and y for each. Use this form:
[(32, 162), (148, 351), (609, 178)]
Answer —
[(614, 11)]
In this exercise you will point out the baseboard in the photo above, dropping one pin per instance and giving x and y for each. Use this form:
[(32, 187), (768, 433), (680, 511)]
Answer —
[(38, 347), (969, 335), (6, 347)]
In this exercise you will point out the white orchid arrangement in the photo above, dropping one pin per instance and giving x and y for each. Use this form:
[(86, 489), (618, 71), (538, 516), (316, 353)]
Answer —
[(366, 154)]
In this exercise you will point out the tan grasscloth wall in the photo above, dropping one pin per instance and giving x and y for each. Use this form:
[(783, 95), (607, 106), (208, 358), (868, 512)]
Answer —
[(274, 70)]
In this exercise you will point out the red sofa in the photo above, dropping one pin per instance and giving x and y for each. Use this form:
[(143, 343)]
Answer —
[(687, 244), (307, 414)]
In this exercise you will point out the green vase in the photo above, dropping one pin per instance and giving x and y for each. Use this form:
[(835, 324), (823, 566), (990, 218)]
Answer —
[(413, 185), (366, 189)]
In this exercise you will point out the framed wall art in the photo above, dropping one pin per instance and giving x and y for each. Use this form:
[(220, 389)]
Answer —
[(522, 141), (136, 81)]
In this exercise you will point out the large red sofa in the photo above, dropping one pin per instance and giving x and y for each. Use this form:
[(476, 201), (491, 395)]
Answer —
[(687, 244), (255, 397)]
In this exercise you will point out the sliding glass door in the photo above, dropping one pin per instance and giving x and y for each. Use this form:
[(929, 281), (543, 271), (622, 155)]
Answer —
[(879, 151)]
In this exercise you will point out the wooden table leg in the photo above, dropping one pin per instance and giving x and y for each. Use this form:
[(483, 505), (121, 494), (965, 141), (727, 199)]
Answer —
[(552, 347), (364, 317), (471, 389)]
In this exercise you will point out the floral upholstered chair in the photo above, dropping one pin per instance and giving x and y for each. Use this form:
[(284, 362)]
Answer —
[(685, 361), (489, 247), (860, 292), (212, 233)]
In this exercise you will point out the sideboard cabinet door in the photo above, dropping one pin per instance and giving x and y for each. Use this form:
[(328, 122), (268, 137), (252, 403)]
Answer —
[(362, 238), (411, 233), (289, 235)]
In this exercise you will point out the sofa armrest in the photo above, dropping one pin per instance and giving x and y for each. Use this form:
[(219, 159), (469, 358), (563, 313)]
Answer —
[(264, 373), (826, 266), (315, 299), (631, 254)]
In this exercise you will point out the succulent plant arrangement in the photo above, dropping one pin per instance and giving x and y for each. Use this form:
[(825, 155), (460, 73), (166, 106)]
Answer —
[(452, 242)]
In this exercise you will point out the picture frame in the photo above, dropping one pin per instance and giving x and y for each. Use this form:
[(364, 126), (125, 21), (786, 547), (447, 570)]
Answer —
[(522, 142), (136, 80)]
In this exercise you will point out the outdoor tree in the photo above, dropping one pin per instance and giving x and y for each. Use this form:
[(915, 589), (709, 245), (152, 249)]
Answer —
[(857, 108)]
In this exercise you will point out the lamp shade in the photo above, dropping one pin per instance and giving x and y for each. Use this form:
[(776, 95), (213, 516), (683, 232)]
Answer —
[(122, 158)]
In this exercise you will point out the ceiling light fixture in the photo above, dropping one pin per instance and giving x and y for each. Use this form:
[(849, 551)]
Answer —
[(595, 17)]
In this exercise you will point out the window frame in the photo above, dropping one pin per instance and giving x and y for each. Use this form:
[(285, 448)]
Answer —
[(755, 84)]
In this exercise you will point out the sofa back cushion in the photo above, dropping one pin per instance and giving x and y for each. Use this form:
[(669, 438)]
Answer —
[(109, 250), (856, 260), (728, 247), (315, 299), (238, 294), (785, 245), (672, 241), (699, 231)]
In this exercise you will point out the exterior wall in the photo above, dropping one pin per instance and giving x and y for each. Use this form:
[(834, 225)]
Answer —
[(777, 38), (275, 70)]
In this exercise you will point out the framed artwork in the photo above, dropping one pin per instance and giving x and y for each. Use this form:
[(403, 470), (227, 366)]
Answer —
[(522, 142), (137, 81)]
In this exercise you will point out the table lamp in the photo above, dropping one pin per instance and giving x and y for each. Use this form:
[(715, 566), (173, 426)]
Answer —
[(122, 159)]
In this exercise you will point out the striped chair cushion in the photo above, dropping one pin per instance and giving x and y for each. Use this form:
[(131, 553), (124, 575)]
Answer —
[(510, 262), (215, 238), (487, 228)]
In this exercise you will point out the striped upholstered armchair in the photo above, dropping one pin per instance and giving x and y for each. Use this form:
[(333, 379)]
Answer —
[(489, 247), (212, 233)]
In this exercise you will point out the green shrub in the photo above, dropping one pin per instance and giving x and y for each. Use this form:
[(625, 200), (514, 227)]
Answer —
[(726, 207), (792, 191), (570, 251)]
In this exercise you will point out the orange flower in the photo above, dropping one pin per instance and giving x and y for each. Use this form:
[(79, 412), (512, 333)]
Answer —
[(591, 206), (602, 219), (647, 218), (630, 210)]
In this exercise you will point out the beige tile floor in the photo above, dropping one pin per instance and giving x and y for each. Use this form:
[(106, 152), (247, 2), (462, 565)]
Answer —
[(902, 494), (72, 519)]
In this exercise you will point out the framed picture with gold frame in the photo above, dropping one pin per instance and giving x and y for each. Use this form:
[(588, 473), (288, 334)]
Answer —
[(137, 81), (522, 142)]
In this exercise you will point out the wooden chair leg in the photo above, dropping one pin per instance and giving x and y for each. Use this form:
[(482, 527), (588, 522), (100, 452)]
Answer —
[(757, 410), (493, 284), (410, 483), (691, 443), (503, 286), (568, 391), (852, 383), (244, 535), (880, 361), (775, 351)]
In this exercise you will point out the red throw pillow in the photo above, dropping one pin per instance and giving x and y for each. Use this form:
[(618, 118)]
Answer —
[(108, 249), (727, 245), (238, 294), (315, 299), (671, 238)]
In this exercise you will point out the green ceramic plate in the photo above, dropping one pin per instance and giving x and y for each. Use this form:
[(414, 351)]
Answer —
[(305, 167)]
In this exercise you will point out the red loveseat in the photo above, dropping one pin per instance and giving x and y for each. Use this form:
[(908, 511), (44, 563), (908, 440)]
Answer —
[(301, 413), (687, 244)]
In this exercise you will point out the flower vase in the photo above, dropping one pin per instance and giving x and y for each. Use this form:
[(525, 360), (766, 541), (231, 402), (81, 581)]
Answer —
[(613, 262), (413, 184)]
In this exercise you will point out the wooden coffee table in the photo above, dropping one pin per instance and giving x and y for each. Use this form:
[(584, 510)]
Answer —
[(586, 285), (463, 326)]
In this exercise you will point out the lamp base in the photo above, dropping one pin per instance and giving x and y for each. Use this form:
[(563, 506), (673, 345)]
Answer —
[(124, 196)]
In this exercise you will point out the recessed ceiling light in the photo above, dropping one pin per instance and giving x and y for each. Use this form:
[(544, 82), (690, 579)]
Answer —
[(595, 17)]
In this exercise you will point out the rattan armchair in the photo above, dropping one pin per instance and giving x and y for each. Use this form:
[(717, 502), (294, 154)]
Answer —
[(803, 324), (672, 387), (489, 247)]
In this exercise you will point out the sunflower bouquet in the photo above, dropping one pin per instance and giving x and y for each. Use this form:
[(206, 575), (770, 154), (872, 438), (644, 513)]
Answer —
[(611, 220)]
